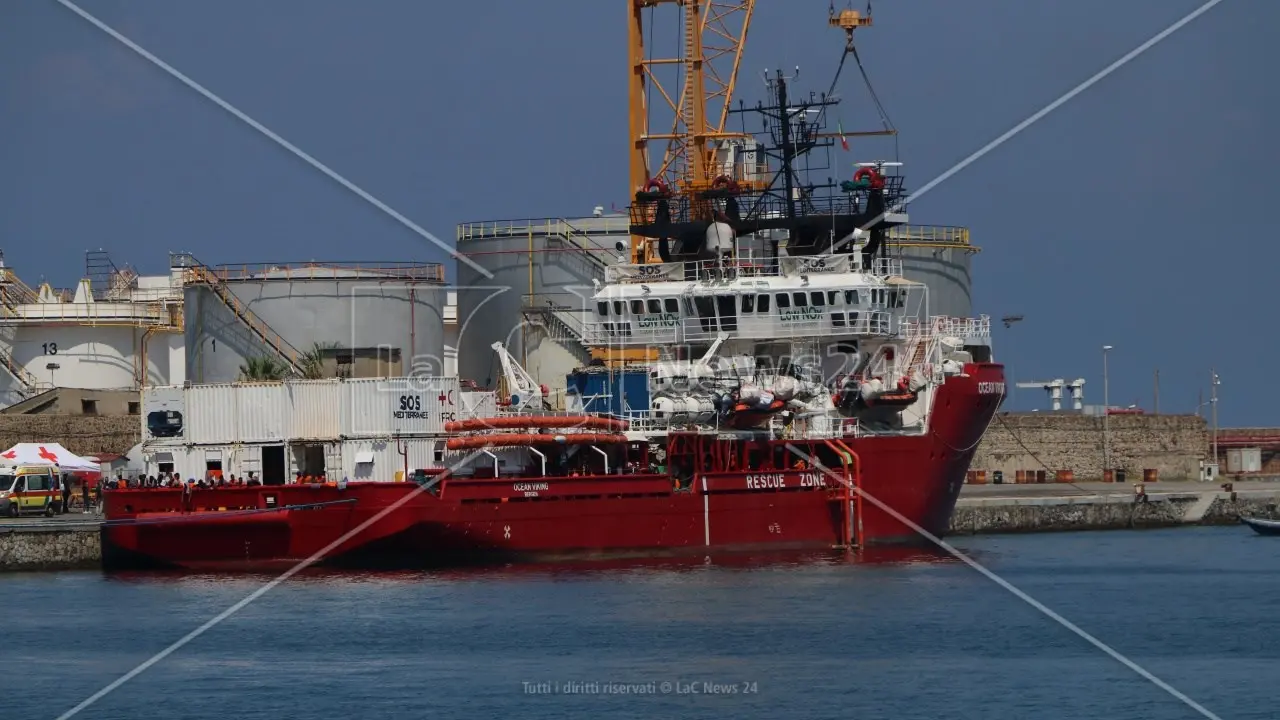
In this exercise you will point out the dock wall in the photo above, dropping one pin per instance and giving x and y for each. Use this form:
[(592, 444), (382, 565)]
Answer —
[(55, 546), (980, 516), (1173, 445), (81, 434)]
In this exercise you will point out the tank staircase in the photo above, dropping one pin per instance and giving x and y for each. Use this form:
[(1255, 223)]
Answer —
[(14, 292), (197, 273), (560, 321)]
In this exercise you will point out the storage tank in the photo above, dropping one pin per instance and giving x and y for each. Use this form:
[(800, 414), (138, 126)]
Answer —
[(368, 319), (938, 256), (535, 301)]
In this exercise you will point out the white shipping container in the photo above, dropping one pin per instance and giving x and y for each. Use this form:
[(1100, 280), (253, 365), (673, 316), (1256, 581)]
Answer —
[(211, 414), (315, 409), (164, 399), (380, 460), (398, 406), (262, 412)]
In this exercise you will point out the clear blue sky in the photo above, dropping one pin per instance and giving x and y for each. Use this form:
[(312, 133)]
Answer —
[(1132, 216)]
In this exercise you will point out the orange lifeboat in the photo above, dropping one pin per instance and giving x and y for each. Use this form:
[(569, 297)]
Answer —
[(470, 442), (520, 422)]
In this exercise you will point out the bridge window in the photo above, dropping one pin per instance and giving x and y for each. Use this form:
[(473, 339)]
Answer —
[(799, 299), (617, 308), (850, 297), (671, 305), (816, 299), (637, 307), (603, 307), (748, 303), (832, 295), (728, 316), (762, 304), (784, 300), (655, 307)]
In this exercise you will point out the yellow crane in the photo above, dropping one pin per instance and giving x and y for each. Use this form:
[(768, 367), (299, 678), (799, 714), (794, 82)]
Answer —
[(704, 67)]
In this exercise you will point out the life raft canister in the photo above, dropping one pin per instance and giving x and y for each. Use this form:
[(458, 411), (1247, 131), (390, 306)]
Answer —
[(868, 176)]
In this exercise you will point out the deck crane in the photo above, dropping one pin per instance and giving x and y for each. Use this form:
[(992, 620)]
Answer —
[(523, 392), (703, 160)]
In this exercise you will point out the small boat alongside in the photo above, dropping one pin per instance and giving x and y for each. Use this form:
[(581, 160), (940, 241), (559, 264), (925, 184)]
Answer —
[(1261, 526)]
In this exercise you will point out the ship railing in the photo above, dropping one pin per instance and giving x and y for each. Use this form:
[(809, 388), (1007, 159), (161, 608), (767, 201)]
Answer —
[(747, 265), (622, 333), (830, 323), (887, 267), (964, 328), (816, 324)]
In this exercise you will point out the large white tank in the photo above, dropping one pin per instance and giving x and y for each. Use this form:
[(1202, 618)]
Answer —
[(374, 318), (539, 293)]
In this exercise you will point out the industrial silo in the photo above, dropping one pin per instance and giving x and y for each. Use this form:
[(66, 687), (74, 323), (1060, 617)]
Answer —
[(542, 280), (365, 319), (939, 257)]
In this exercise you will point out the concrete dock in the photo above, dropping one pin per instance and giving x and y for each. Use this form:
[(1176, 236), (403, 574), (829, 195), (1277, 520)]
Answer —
[(71, 541), (1055, 507), (62, 542)]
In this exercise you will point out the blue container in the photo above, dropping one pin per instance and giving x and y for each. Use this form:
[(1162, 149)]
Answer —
[(622, 393)]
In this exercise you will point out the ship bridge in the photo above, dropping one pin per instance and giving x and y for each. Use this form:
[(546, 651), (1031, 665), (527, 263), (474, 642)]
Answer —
[(794, 298)]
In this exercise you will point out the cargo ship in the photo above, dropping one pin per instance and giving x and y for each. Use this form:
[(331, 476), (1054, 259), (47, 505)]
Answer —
[(773, 383)]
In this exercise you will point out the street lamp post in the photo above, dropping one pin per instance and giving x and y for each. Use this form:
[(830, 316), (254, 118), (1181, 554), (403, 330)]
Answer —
[(1106, 414), (1213, 405)]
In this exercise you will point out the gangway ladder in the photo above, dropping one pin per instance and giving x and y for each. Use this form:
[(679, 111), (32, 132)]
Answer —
[(200, 273), (848, 495)]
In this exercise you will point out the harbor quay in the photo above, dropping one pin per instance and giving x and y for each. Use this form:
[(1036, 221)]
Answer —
[(71, 541)]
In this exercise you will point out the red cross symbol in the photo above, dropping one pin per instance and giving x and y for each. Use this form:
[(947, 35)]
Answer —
[(446, 397), (11, 455), (48, 455)]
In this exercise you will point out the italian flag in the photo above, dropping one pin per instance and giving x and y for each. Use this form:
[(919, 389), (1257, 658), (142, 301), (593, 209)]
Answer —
[(844, 141)]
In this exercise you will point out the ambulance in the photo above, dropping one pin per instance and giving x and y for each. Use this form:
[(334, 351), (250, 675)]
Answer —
[(29, 490)]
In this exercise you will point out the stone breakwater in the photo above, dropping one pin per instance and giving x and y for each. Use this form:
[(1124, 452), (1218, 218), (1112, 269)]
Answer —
[(49, 546), (976, 516)]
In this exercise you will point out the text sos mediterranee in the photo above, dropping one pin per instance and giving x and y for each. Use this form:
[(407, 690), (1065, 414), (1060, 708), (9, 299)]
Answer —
[(411, 409)]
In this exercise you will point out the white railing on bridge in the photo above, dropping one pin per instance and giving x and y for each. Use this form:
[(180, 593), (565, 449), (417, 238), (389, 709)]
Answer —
[(746, 265)]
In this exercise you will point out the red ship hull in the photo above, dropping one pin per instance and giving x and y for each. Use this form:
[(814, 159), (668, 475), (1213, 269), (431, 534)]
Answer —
[(468, 520)]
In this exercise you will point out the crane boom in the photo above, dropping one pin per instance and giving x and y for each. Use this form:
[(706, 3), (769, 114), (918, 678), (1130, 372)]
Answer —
[(715, 34)]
